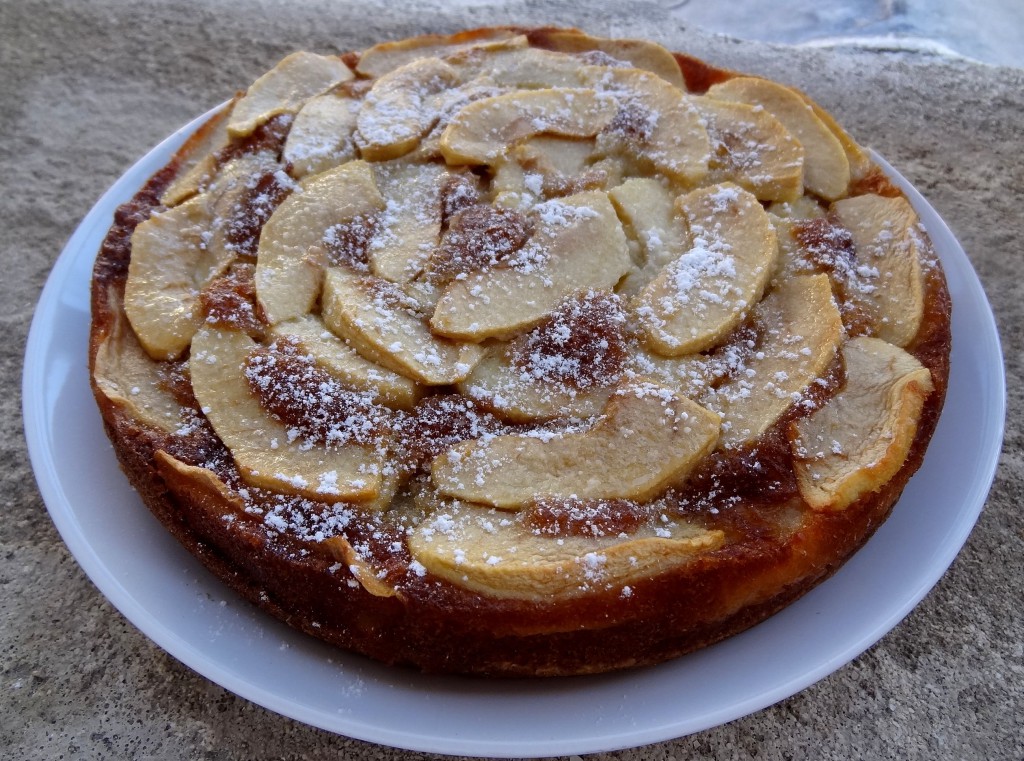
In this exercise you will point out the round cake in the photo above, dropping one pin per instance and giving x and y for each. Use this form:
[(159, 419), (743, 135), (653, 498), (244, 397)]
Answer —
[(519, 351)]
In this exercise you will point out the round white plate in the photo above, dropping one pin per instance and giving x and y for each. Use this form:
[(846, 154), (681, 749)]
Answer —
[(167, 594)]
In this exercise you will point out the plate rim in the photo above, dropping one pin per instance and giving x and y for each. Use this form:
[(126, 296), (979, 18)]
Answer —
[(62, 512)]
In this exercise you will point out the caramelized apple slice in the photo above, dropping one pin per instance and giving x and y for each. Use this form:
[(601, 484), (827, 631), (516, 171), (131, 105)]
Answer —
[(169, 267), (346, 364), (578, 245), (124, 373), (647, 439), (826, 167), (861, 437), (260, 445), (400, 108), (482, 550), (655, 126), (703, 294), (800, 331), (382, 324), (640, 54), (889, 286), (388, 56), (289, 269), (750, 147), (410, 227), (284, 89), (484, 131), (321, 135)]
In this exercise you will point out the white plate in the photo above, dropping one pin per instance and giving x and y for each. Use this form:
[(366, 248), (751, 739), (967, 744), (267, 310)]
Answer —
[(166, 593)]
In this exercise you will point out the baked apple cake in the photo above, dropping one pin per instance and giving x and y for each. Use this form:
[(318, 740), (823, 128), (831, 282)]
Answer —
[(519, 351)]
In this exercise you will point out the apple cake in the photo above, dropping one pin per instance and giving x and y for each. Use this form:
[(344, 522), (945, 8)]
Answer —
[(519, 351)]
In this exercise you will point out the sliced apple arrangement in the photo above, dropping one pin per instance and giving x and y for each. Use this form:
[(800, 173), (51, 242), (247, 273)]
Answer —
[(616, 278)]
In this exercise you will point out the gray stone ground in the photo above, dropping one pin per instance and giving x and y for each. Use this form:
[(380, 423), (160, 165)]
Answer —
[(87, 88)]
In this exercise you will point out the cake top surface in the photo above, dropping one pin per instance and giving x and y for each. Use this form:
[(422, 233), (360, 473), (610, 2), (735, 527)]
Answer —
[(522, 312)]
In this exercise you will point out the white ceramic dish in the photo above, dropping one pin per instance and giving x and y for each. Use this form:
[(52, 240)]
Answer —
[(173, 600)]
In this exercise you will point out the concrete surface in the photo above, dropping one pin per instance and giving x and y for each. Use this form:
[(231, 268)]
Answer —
[(87, 88)]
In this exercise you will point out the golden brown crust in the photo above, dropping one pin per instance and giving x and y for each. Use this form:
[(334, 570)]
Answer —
[(780, 548)]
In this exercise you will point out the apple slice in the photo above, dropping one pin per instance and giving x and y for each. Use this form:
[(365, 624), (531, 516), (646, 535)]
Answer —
[(750, 147), (400, 108), (321, 136), (124, 373), (446, 105), (787, 218), (555, 156), (578, 245), (826, 167), (344, 363), (648, 213), (861, 437), (515, 396), (200, 486), (482, 550), (647, 439), (518, 67), (546, 167), (382, 324), (791, 261), (260, 445), (656, 124), (289, 268), (640, 54), (567, 366), (424, 294), (483, 132), (860, 163), (801, 330), (198, 159), (385, 57), (245, 193), (410, 227), (801, 207), (702, 295), (169, 266), (509, 184), (887, 284), (362, 569), (689, 375), (283, 89)]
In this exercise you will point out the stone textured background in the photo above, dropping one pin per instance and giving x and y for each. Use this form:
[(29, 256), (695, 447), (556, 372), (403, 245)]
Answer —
[(86, 88)]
